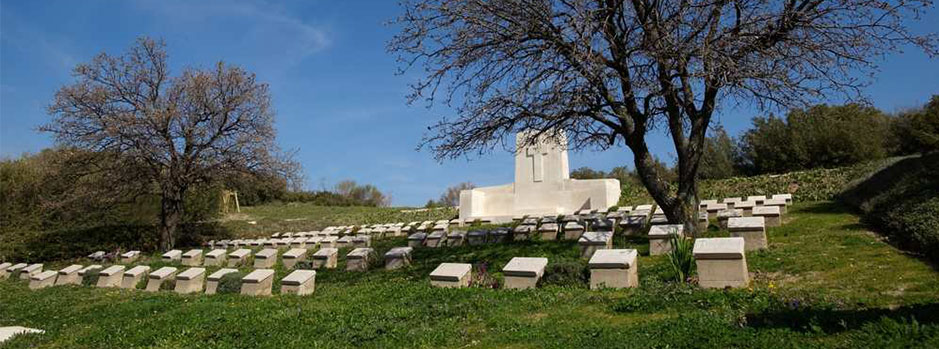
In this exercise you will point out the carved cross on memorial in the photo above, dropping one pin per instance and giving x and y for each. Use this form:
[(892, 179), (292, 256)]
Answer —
[(537, 153)]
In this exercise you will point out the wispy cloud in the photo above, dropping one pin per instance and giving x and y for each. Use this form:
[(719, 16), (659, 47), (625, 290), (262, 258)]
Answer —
[(25, 36)]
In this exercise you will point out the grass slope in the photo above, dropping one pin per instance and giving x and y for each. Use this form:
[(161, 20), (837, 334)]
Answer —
[(825, 281)]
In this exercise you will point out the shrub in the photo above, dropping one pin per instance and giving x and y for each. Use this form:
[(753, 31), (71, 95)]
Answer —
[(681, 259), (230, 283), (481, 277), (569, 274), (91, 277)]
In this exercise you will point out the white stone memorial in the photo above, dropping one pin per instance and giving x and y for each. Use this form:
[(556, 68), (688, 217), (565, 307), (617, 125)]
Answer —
[(326, 258), (299, 282), (157, 278), (111, 277), (42, 280), (69, 275), (542, 186), (524, 272), (190, 281), (751, 229), (721, 262), (133, 276), (258, 283), (451, 275), (614, 269), (660, 238)]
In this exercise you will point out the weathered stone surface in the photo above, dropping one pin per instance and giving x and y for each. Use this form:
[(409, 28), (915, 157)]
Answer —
[(523, 232), (238, 257), (172, 256), (291, 257), (721, 262), (215, 258), (13, 271), (417, 239), (42, 280), (614, 269), (542, 185), (192, 258), (771, 215), (299, 282), (573, 230), (28, 271), (258, 283), (660, 236), (524, 272), (69, 275), (779, 203), (329, 242), (453, 275), (8, 332), (456, 237), (362, 241), (746, 206), (129, 257), (111, 276), (592, 241), (751, 229), (438, 238), (498, 235), (190, 281), (757, 199), (358, 259), (785, 197), (477, 237), (134, 275), (211, 284), (398, 257), (265, 258), (326, 258), (722, 216), (548, 231), (713, 208), (159, 276)]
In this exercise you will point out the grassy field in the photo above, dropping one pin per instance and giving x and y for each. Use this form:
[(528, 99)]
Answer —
[(824, 282)]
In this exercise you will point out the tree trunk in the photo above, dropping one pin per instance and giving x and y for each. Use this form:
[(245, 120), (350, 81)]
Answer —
[(171, 211), (679, 209)]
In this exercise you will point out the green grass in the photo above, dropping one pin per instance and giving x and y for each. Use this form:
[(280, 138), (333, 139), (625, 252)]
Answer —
[(824, 282)]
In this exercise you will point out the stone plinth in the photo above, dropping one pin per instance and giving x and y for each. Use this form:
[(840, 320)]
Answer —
[(3, 268), (721, 262), (290, 258), (299, 282), (771, 215), (129, 257), (326, 258), (133, 276), (614, 269), (703, 221), (111, 276), (756, 199), (722, 216), (172, 256), (573, 230), (190, 281), (192, 258), (731, 202), (542, 185), (42, 280), (785, 197), (238, 257), (453, 275), (345, 241), (265, 258), (498, 235), (258, 283), (28, 271), (69, 275), (159, 276), (398, 257), (416, 240), (524, 272), (523, 232), (215, 258), (438, 238), (632, 225), (746, 206), (329, 242), (660, 238), (592, 241), (358, 259), (713, 208), (211, 284), (362, 241), (455, 238), (751, 229), (477, 237), (13, 271), (779, 203), (548, 231)]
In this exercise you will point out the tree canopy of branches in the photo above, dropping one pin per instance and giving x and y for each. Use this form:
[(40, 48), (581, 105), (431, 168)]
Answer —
[(451, 197), (608, 72), (172, 133), (364, 195)]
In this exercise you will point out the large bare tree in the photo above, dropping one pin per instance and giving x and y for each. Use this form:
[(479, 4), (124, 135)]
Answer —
[(176, 132), (608, 72)]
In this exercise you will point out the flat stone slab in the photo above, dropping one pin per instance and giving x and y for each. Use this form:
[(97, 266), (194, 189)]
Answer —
[(9, 332), (216, 254), (44, 275), (714, 207), (596, 238), (613, 259), (298, 277), (766, 211), (216, 276), (525, 266), (361, 252), (191, 273), (163, 273), (173, 255), (745, 223), (719, 248), (192, 253), (240, 253), (665, 231), (258, 275), (266, 253), (112, 270), (295, 253), (774, 202), (70, 269), (730, 213), (325, 253), (452, 272), (130, 254), (399, 252), (137, 271), (417, 237), (745, 204)]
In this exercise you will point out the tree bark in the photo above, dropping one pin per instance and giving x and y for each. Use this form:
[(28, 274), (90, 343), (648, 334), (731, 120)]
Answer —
[(679, 209), (171, 210)]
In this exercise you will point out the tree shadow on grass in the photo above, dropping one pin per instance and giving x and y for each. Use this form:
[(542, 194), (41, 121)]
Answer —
[(825, 207), (809, 319)]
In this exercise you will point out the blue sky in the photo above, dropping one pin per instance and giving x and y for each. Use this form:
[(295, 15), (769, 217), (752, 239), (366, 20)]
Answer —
[(337, 97)]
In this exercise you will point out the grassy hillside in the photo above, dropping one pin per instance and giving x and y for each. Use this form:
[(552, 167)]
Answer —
[(293, 217), (825, 281)]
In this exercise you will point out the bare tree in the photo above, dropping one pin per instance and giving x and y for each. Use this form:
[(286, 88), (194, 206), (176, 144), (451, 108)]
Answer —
[(177, 131), (607, 72), (451, 197)]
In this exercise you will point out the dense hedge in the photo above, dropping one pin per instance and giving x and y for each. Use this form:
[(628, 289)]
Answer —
[(901, 201)]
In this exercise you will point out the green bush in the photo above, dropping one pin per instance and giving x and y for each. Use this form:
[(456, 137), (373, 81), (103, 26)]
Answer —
[(91, 277), (681, 259), (230, 283), (569, 274)]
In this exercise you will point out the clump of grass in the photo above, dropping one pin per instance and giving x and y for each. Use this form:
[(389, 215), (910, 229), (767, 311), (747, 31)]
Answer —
[(481, 277), (91, 277), (168, 285), (231, 283), (569, 274), (681, 258)]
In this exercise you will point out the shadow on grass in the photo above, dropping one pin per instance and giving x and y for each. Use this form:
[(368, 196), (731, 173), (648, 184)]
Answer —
[(825, 207), (834, 321)]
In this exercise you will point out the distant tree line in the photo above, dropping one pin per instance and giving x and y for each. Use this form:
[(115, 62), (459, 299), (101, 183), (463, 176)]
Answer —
[(450, 197)]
